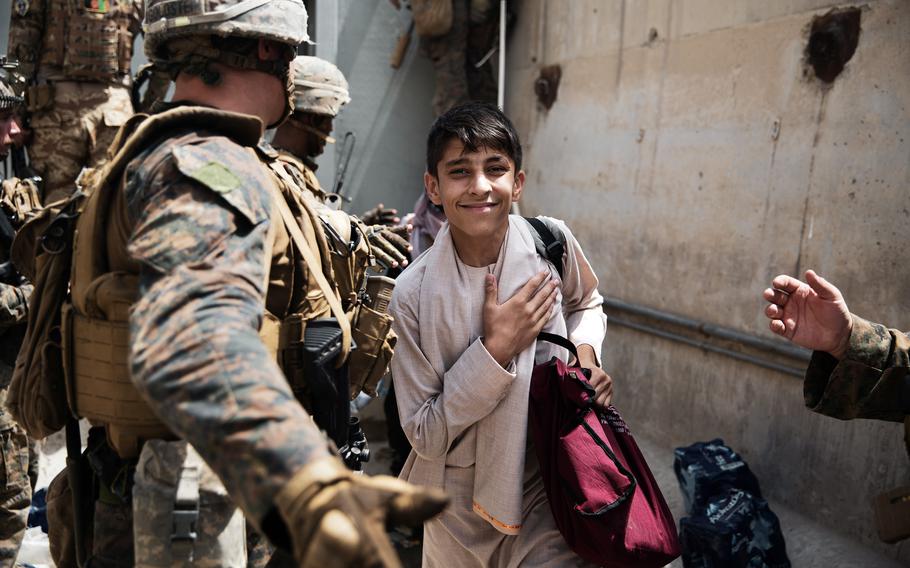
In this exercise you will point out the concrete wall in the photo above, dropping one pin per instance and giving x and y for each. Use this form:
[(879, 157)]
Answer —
[(696, 157), (390, 111)]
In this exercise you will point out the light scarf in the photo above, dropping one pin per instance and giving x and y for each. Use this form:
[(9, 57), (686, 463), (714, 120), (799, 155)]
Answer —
[(502, 434)]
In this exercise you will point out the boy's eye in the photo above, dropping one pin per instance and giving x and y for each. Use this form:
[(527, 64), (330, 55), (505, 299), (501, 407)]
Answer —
[(458, 172), (498, 169)]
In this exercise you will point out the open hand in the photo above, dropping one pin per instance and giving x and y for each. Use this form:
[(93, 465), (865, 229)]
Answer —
[(510, 327), (811, 314)]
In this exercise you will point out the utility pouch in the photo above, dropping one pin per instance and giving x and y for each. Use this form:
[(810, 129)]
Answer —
[(39, 97), (372, 332), (43, 252), (328, 385), (892, 514)]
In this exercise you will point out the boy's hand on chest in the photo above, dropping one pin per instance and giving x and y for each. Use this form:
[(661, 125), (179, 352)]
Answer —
[(512, 326)]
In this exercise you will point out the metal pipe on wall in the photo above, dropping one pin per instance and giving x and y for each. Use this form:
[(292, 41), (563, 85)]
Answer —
[(710, 330), (501, 85)]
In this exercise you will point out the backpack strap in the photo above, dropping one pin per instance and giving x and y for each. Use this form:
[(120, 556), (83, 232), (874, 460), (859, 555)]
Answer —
[(549, 241)]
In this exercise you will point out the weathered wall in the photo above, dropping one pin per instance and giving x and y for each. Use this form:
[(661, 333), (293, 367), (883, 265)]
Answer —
[(390, 111), (696, 159)]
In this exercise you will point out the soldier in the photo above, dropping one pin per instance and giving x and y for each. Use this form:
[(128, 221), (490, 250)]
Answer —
[(858, 368), (18, 199), (183, 244), (461, 55), (320, 90), (76, 57)]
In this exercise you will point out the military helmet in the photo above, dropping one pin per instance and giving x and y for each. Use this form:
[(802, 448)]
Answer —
[(284, 21), (319, 86), (8, 83)]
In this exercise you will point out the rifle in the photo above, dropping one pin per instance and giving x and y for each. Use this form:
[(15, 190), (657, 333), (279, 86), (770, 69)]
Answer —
[(335, 199), (330, 390), (346, 151)]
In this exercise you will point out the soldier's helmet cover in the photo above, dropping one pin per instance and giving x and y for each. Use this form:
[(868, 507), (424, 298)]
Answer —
[(319, 86), (284, 21)]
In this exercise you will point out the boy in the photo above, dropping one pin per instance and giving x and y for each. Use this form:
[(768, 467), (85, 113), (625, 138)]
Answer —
[(467, 313)]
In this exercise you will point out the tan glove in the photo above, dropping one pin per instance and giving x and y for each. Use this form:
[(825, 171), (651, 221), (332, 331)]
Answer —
[(336, 518)]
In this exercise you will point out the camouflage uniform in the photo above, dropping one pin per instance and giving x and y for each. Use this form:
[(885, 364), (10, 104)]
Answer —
[(77, 57), (198, 247), (868, 382), (184, 246), (15, 484), (454, 56)]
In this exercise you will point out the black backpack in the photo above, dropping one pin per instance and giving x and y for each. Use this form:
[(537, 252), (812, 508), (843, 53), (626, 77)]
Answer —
[(549, 240)]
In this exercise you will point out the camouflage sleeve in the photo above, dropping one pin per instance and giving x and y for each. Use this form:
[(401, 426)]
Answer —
[(200, 223), (26, 32), (13, 304), (871, 381)]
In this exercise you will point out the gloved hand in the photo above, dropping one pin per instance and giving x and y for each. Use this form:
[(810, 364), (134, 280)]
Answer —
[(379, 215), (390, 245), (337, 519)]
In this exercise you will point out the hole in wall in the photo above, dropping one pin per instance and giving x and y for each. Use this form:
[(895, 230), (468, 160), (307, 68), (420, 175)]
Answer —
[(833, 38), (547, 85)]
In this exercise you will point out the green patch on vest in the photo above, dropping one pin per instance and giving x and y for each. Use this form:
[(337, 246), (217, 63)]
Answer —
[(217, 177)]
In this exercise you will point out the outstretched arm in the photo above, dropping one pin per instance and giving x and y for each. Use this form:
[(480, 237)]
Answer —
[(195, 354), (812, 314), (859, 368)]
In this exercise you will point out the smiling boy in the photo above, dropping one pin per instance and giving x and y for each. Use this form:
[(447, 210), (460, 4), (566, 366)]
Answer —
[(467, 313)]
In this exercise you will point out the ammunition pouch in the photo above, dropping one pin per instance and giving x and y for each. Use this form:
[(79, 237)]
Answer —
[(365, 299), (19, 199), (89, 43), (372, 332), (39, 97)]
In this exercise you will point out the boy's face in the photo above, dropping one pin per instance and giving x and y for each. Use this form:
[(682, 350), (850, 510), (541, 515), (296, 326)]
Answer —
[(476, 189)]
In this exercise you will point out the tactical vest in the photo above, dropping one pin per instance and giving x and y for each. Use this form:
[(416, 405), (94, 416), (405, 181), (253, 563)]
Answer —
[(104, 285), (89, 40), (351, 258)]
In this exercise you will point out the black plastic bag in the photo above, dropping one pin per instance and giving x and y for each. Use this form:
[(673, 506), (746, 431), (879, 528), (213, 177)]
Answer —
[(736, 529), (729, 523), (706, 469)]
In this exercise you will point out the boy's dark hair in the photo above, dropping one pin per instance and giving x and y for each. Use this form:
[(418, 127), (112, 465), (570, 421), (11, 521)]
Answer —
[(475, 125)]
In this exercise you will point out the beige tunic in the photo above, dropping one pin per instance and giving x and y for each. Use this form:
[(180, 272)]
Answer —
[(443, 413)]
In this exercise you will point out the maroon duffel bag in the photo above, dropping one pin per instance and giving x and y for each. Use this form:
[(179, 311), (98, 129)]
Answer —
[(603, 496)]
